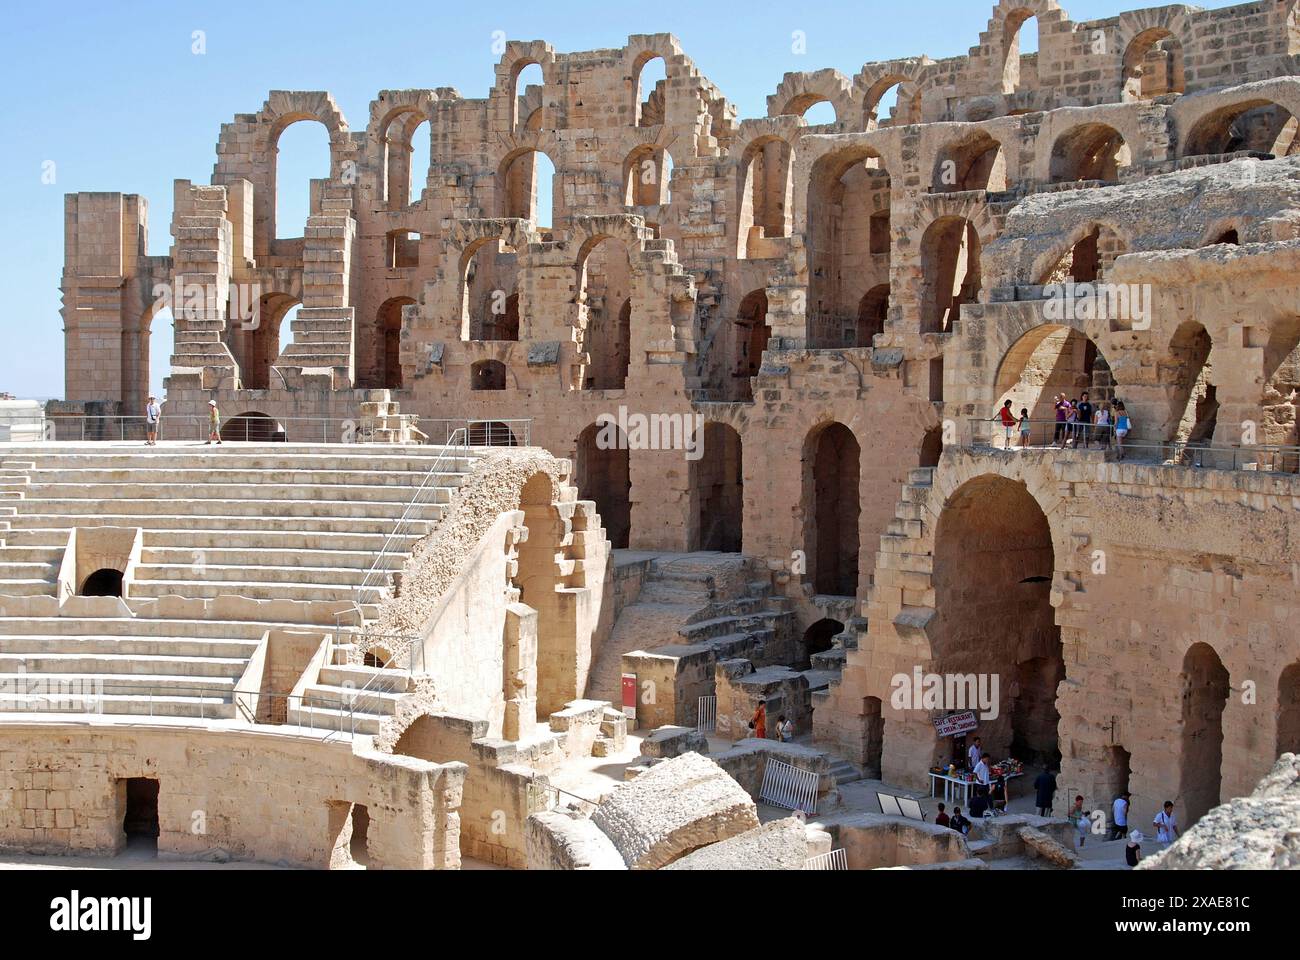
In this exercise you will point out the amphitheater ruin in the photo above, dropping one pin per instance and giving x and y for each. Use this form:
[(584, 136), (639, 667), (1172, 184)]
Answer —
[(505, 547)]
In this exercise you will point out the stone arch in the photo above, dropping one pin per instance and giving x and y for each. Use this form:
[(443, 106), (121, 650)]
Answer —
[(1153, 65), (251, 426), (950, 271), (873, 314), (604, 285), (601, 472), (477, 251), (818, 638), (395, 119), (517, 57), (646, 174), (1206, 687), (1288, 710), (1005, 28), (1258, 124), (995, 557), (1089, 151), (1088, 250), (379, 362), (256, 347), (516, 179), (640, 50), (765, 186), (1194, 403), (487, 375), (1046, 360), (751, 334), (800, 91), (831, 507), (105, 582), (1280, 424), (848, 238), (719, 475), (877, 79), (976, 161)]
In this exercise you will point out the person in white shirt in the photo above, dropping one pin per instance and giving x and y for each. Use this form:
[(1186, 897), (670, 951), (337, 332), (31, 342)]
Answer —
[(784, 729), (151, 414), (1166, 824), (974, 753), (1119, 813)]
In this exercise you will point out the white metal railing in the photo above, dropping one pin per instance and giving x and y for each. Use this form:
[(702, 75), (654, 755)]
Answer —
[(789, 787), (835, 860), (707, 715)]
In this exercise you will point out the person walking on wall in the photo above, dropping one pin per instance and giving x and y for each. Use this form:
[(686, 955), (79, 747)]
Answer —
[(151, 414), (1166, 824), (1086, 411), (214, 422), (1122, 426), (784, 729), (1044, 791), (1062, 414), (1008, 420)]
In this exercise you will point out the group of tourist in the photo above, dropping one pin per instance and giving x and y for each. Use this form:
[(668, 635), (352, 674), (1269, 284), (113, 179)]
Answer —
[(758, 725), (1078, 422), (153, 413), (1165, 823)]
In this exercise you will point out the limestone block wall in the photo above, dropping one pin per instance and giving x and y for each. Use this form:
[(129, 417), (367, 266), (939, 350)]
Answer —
[(63, 790)]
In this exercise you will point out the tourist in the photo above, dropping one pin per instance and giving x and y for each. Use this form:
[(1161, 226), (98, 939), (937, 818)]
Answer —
[(1133, 850), (973, 754), (958, 822), (758, 722), (1081, 819), (1166, 824), (1062, 414), (983, 781), (214, 422), (1045, 790), (998, 796), (784, 729), (1103, 425), (1025, 427), (151, 414), (1008, 421), (1071, 425), (1084, 413), (1119, 813), (1122, 426), (942, 819)]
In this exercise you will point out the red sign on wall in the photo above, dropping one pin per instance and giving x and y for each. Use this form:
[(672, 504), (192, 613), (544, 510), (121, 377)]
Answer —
[(629, 695)]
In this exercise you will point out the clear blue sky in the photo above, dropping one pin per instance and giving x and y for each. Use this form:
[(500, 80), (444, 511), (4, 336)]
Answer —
[(112, 95)]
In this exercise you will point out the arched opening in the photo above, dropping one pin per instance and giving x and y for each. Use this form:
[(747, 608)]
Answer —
[(1153, 65), (605, 313), (831, 502), (1281, 398), (379, 363), (487, 375), (849, 241), (158, 344), (765, 195), (647, 172), (950, 268), (873, 311), (1258, 126), (527, 183), (751, 336), (407, 158), (975, 163), (257, 342), (1088, 258), (720, 482), (526, 91), (1046, 361), (301, 154), (993, 568), (1020, 43), (891, 101), (1206, 687), (1230, 237), (1091, 151), (489, 306), (102, 583), (819, 638), (873, 722), (649, 90), (816, 110), (931, 448), (1288, 710), (1194, 395), (252, 428), (602, 474)]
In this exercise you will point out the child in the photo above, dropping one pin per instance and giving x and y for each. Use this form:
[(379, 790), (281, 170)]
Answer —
[(1103, 425), (1081, 819), (1122, 426), (214, 422), (1024, 426), (1133, 852)]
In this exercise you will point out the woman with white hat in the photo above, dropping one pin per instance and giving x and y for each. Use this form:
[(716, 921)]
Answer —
[(1133, 851), (214, 422)]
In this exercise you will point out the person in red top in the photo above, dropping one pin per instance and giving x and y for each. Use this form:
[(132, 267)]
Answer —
[(758, 723), (1008, 420)]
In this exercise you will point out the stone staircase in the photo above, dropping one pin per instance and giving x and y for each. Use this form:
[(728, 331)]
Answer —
[(235, 532)]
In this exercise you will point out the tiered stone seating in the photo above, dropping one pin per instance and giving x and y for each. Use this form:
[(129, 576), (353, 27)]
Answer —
[(268, 522)]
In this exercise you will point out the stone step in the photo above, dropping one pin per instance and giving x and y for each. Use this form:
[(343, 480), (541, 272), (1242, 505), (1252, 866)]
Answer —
[(251, 589), (315, 715), (158, 705), (199, 510), (357, 677), (120, 684), (137, 626), (246, 557), (26, 588), (374, 701), (181, 530), (58, 664), (228, 492), (267, 476), (163, 648), (207, 571)]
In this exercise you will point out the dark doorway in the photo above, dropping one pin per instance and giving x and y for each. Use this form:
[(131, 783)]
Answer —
[(103, 583), (820, 637), (140, 824), (360, 834)]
